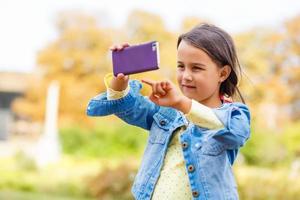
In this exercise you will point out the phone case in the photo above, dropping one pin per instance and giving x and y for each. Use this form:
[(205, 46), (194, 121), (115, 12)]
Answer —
[(136, 59)]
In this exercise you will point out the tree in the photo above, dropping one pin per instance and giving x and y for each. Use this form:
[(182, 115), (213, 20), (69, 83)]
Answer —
[(78, 59)]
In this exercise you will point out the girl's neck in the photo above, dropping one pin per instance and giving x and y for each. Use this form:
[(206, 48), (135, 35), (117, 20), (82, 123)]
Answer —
[(212, 103)]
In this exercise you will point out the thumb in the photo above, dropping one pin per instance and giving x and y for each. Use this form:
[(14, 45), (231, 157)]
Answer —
[(153, 98), (122, 77), (126, 77)]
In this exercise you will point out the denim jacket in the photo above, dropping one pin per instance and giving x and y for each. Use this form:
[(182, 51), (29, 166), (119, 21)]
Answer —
[(208, 154)]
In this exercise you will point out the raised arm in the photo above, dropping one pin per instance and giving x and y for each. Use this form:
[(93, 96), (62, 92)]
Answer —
[(123, 99), (133, 108)]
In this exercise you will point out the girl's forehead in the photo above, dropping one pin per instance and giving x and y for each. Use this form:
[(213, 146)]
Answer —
[(189, 53)]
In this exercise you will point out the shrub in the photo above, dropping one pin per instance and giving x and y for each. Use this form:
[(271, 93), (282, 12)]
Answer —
[(257, 183), (103, 141), (114, 183)]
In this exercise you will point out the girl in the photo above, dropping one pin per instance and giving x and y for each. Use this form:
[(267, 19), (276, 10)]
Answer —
[(194, 137)]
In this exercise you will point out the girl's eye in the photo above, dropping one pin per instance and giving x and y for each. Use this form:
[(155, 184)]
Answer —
[(197, 68), (180, 66)]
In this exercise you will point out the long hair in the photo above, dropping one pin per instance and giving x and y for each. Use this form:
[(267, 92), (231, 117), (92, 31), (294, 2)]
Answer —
[(221, 49)]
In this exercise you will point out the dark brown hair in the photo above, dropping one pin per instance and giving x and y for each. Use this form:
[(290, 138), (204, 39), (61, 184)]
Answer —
[(221, 49)]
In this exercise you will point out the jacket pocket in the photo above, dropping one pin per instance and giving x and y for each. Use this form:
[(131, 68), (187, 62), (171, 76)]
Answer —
[(212, 147), (157, 135)]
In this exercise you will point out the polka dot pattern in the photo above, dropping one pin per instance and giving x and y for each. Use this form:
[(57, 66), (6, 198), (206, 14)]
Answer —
[(173, 183)]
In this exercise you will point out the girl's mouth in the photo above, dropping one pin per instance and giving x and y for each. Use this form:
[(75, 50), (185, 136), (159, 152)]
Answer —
[(188, 87)]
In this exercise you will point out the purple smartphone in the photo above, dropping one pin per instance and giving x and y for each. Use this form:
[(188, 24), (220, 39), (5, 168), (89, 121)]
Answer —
[(137, 58)]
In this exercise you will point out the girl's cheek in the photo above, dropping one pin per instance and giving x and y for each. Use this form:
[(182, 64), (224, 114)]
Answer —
[(179, 77)]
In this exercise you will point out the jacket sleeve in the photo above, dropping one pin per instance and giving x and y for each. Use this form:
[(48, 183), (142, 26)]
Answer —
[(236, 131), (203, 116), (133, 108)]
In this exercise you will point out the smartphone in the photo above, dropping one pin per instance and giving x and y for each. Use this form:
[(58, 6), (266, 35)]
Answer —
[(136, 59)]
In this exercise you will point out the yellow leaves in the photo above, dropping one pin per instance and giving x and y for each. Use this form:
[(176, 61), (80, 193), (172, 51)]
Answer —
[(32, 105), (191, 21), (74, 20), (293, 25), (80, 57), (275, 38)]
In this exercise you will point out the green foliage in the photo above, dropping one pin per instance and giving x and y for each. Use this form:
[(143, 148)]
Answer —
[(269, 148), (24, 162), (257, 183), (17, 181), (38, 183), (254, 183), (291, 139), (64, 179), (106, 140), (19, 195), (263, 148)]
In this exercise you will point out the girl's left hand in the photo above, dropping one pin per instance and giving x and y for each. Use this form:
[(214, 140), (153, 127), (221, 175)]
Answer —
[(164, 93)]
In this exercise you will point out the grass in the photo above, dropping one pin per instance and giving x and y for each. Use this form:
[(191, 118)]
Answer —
[(68, 180), (21, 195)]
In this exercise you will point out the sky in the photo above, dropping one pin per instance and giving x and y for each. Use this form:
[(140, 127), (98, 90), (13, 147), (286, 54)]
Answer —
[(28, 26)]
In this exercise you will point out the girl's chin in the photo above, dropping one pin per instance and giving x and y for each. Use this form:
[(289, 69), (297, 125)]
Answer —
[(189, 95)]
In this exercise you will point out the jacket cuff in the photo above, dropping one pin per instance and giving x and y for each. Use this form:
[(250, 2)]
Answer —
[(112, 94), (101, 105)]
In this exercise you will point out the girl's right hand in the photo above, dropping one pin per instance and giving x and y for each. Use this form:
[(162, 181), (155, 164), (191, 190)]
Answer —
[(120, 82)]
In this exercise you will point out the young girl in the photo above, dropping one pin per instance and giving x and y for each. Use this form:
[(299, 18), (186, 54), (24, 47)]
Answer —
[(194, 137)]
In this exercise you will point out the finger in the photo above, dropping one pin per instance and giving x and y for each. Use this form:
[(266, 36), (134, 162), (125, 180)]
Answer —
[(125, 45), (154, 90), (119, 47), (149, 82), (121, 76), (153, 98), (160, 91), (126, 77), (113, 47), (168, 86), (163, 85), (152, 84)]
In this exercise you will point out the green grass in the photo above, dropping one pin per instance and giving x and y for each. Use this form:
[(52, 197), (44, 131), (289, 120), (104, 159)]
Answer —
[(103, 141), (69, 177), (20, 195)]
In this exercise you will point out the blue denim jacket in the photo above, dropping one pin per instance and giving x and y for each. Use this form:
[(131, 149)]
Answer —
[(208, 154)]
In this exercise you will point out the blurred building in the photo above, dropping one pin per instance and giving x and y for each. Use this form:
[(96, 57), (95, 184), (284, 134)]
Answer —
[(12, 85)]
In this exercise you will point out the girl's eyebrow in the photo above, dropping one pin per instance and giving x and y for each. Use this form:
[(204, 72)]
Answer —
[(199, 64)]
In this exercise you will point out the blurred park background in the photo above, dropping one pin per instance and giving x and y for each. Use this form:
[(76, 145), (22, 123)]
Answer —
[(97, 158)]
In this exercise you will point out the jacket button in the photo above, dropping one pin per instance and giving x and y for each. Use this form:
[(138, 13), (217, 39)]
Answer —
[(197, 145), (184, 145), (162, 122), (195, 193), (191, 168)]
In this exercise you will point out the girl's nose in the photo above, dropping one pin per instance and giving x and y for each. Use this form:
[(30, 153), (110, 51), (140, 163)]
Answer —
[(187, 76)]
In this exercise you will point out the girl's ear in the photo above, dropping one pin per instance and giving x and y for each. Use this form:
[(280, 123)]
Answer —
[(224, 73)]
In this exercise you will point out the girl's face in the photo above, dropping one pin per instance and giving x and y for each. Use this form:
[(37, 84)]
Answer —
[(199, 78)]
